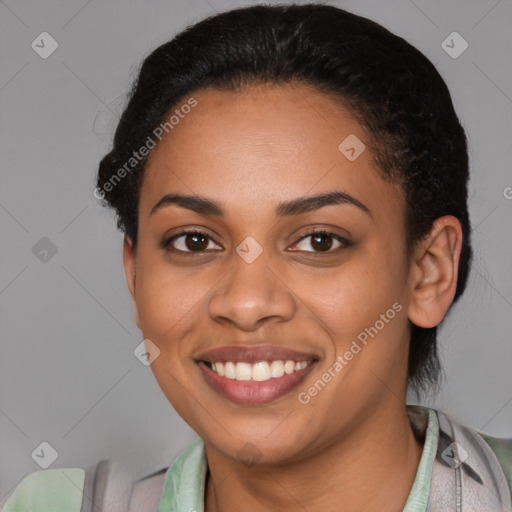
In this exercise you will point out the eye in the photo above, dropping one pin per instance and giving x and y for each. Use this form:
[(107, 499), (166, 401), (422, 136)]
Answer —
[(321, 241), (189, 241)]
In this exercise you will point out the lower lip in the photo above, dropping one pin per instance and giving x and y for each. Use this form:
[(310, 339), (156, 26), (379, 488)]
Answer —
[(248, 392)]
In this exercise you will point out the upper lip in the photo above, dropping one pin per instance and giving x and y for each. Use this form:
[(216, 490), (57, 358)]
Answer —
[(253, 354)]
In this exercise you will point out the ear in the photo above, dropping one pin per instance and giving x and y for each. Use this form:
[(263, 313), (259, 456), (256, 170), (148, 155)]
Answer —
[(434, 272), (129, 262)]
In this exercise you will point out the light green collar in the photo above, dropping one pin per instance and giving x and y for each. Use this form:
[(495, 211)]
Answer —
[(185, 481), (420, 490), (184, 486)]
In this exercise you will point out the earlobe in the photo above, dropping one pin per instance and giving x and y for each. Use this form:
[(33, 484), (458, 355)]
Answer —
[(434, 272), (129, 263)]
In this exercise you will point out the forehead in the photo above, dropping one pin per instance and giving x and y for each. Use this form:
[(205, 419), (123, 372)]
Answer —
[(264, 144)]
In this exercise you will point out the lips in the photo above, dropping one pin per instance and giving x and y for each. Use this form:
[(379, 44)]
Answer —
[(254, 354), (252, 392)]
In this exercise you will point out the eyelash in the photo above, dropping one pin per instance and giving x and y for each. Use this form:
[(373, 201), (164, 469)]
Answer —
[(167, 242)]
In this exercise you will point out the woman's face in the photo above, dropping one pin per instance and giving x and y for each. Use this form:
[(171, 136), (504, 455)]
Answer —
[(256, 277)]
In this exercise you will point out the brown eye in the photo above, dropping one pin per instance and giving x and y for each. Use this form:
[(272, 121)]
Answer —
[(190, 241), (321, 241), (196, 241)]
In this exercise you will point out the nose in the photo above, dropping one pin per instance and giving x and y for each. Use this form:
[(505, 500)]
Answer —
[(251, 295)]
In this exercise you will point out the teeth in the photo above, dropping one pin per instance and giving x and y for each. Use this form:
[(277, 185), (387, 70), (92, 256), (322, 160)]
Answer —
[(229, 370), (289, 366), (243, 371), (259, 372), (277, 369)]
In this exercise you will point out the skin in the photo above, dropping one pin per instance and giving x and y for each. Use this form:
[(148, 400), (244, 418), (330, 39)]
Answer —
[(249, 151)]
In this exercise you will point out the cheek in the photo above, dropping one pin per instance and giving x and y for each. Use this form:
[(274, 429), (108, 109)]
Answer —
[(167, 299), (167, 303), (361, 306), (353, 297)]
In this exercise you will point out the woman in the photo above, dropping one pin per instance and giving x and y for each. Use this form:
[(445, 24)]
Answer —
[(292, 186)]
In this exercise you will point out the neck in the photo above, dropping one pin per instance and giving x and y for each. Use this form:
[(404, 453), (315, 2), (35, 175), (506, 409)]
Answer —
[(373, 468)]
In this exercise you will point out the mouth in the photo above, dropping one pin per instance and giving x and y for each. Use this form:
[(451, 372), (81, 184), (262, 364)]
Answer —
[(255, 376), (261, 371)]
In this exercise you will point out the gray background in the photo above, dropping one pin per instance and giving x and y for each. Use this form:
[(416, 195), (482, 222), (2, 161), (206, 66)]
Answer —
[(68, 375)]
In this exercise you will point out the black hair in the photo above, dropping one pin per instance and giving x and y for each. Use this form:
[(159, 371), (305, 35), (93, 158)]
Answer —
[(392, 89)]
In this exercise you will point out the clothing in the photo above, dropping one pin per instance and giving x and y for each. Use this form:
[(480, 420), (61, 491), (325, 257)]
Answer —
[(459, 470), (185, 481)]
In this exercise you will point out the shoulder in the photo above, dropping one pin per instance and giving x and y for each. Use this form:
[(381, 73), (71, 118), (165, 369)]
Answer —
[(59, 490), (484, 453), (124, 482), (502, 448)]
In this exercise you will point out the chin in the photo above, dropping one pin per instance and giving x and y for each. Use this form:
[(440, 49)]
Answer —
[(259, 447)]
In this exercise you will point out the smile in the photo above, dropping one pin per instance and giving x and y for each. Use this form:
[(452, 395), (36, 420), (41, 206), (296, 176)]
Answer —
[(259, 372), (255, 375)]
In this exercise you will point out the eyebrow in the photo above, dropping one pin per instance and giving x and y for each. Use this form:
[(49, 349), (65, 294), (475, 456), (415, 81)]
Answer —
[(296, 206)]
